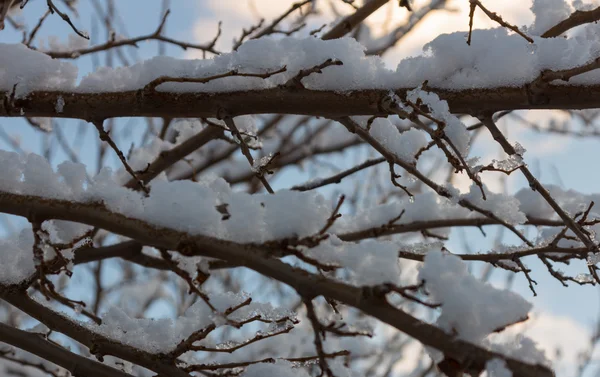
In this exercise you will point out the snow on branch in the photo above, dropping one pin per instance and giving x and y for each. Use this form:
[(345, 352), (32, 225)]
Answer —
[(198, 209)]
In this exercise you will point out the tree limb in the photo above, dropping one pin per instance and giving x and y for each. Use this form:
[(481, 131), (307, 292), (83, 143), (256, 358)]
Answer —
[(280, 100), (37, 345), (252, 256)]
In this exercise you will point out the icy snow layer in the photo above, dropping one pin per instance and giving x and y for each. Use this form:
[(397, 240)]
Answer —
[(495, 58)]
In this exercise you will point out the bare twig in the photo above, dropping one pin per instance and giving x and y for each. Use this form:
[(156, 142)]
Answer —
[(65, 18), (246, 152), (337, 178), (296, 81), (493, 16), (270, 29), (104, 136), (168, 158), (151, 86), (156, 36)]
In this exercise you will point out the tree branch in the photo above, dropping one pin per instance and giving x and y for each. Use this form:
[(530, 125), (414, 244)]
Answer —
[(252, 256), (349, 23), (98, 344), (37, 345), (332, 104), (577, 18)]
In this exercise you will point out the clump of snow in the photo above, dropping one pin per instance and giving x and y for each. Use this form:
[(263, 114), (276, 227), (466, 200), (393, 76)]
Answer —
[(261, 163), (547, 14), (495, 58), (174, 201), (405, 144), (45, 124), (489, 61), (154, 335), (379, 265), (455, 130), (509, 164), (32, 70), (471, 308), (585, 278), (533, 204), (429, 206), (16, 258), (504, 206)]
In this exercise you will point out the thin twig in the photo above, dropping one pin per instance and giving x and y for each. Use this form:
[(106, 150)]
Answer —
[(337, 178), (270, 29), (65, 18), (246, 151), (202, 80), (156, 35), (104, 136), (493, 16)]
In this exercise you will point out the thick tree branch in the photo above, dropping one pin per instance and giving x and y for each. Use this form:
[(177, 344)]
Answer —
[(280, 100)]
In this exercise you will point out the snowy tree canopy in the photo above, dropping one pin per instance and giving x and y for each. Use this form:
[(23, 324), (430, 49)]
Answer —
[(293, 203)]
